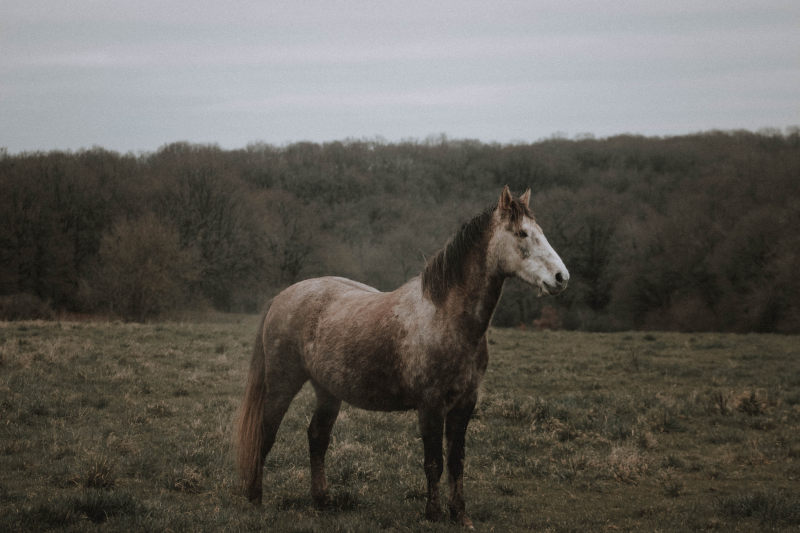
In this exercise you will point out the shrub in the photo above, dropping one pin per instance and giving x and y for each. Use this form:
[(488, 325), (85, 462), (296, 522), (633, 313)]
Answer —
[(24, 307), (143, 270)]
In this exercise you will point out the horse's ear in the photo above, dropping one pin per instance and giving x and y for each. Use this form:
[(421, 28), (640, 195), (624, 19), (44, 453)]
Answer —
[(505, 200), (525, 198)]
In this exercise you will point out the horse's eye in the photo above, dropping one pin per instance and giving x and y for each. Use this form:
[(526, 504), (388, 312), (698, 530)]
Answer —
[(522, 234)]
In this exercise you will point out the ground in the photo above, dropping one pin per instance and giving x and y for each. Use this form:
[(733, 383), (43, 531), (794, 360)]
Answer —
[(128, 427)]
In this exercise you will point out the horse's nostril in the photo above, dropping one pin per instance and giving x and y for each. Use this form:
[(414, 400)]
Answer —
[(559, 278)]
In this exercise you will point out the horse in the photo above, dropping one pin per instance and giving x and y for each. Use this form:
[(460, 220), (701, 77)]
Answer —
[(422, 346)]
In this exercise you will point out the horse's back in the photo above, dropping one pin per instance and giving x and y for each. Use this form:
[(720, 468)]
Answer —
[(344, 284), (312, 296), (296, 314), (346, 336)]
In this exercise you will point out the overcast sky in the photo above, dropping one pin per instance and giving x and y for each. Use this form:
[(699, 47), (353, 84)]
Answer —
[(134, 75)]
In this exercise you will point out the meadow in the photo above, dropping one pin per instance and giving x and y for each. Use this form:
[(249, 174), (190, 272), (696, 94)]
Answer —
[(113, 426)]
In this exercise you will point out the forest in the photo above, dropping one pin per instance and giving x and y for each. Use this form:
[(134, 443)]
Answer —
[(689, 233)]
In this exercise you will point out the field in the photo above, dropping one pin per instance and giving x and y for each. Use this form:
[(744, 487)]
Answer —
[(126, 427)]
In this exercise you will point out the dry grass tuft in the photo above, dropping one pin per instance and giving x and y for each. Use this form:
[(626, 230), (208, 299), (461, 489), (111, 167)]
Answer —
[(751, 403), (626, 464), (187, 479), (100, 474)]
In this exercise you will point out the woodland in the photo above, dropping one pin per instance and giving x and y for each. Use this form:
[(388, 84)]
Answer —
[(688, 233)]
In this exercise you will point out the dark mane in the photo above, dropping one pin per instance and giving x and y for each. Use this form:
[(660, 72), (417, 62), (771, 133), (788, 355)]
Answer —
[(446, 268)]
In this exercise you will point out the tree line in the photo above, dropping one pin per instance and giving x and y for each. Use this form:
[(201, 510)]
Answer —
[(695, 232)]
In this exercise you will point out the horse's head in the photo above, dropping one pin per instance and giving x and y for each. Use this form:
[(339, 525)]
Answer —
[(519, 248)]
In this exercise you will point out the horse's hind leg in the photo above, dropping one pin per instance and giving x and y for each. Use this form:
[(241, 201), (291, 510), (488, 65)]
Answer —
[(281, 386), (273, 415), (319, 435)]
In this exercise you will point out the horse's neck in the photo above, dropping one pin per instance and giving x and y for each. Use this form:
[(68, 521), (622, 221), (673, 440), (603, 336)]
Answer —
[(472, 307)]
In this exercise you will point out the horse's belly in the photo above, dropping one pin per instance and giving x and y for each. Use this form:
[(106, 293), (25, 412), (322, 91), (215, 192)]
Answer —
[(361, 376), (380, 402), (367, 391)]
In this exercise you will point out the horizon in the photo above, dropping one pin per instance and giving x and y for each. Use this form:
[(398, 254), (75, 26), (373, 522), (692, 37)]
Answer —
[(429, 140)]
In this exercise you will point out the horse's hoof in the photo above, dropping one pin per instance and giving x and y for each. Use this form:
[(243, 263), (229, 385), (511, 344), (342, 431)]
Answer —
[(321, 500), (254, 496), (433, 513), (462, 520)]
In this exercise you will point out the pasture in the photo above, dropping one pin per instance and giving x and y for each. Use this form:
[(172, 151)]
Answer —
[(128, 427)]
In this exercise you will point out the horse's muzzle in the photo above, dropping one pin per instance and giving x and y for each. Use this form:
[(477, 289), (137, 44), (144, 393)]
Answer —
[(561, 282)]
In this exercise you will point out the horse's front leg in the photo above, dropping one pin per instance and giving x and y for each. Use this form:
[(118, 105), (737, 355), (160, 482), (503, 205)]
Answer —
[(431, 423), (457, 420)]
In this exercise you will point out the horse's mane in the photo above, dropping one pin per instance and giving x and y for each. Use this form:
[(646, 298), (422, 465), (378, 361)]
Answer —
[(446, 269)]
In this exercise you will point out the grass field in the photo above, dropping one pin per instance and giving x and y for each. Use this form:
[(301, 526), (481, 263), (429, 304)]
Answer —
[(121, 427)]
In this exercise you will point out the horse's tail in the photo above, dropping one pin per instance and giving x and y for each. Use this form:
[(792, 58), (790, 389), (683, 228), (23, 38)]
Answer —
[(250, 424)]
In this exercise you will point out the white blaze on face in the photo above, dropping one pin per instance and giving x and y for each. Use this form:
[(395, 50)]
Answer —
[(530, 257), (542, 266)]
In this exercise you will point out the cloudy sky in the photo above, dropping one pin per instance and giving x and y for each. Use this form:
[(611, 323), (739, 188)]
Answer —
[(134, 75)]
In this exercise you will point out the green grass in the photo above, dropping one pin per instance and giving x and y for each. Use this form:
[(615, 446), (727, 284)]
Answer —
[(120, 427)]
